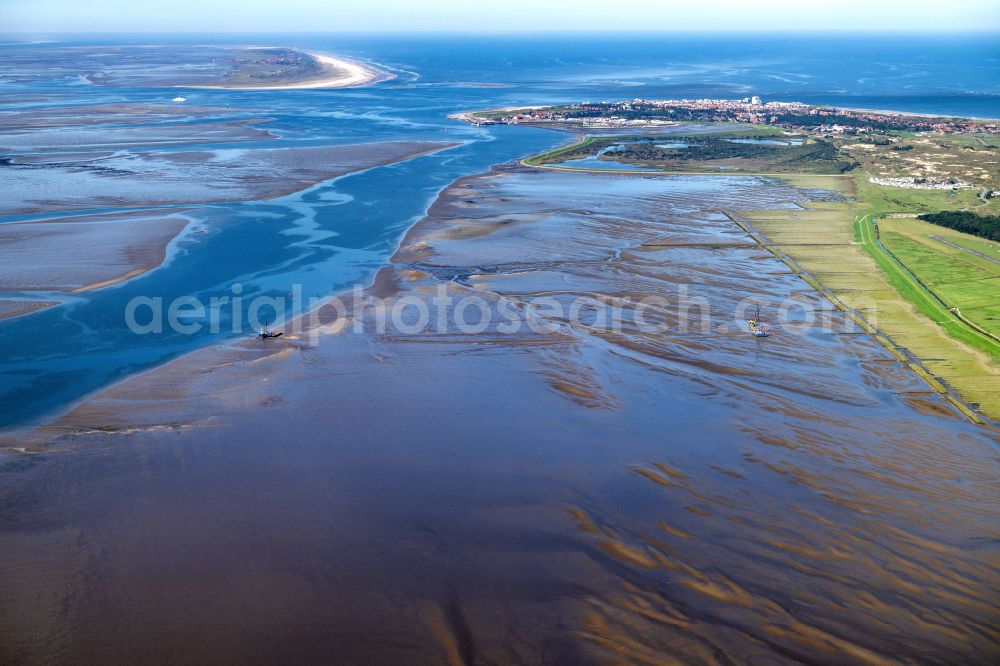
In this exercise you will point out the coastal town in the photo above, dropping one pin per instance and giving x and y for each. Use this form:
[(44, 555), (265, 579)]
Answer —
[(791, 115)]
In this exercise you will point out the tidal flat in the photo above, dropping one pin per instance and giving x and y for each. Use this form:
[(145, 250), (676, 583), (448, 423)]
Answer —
[(106, 160), (73, 253), (83, 252), (182, 177), (108, 115), (566, 493), (94, 138)]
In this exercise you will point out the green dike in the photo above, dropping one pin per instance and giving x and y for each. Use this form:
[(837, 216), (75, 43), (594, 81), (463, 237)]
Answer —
[(553, 155), (923, 275)]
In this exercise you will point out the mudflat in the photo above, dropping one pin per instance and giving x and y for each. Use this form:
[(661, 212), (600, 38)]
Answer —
[(82, 252), (566, 492), (182, 177)]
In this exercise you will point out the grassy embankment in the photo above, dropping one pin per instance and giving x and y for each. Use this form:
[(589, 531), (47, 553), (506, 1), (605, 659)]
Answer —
[(955, 288), (559, 154)]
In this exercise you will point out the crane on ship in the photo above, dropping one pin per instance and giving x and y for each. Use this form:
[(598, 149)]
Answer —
[(264, 333), (757, 325)]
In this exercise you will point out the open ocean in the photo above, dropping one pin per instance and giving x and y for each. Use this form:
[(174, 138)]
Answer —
[(339, 233)]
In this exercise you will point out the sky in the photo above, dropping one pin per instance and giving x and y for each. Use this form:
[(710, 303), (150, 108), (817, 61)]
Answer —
[(491, 16)]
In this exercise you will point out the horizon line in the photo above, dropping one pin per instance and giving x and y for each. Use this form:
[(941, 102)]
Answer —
[(530, 31)]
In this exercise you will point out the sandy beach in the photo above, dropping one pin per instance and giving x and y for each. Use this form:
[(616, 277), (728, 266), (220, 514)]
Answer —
[(341, 73), (912, 114)]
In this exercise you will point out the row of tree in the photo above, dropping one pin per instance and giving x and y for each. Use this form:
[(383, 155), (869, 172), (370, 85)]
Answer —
[(984, 226)]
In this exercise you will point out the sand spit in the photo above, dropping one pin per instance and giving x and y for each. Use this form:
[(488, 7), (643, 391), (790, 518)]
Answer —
[(564, 494), (16, 308), (340, 73)]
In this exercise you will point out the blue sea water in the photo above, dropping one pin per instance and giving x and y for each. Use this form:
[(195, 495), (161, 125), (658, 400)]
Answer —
[(339, 233)]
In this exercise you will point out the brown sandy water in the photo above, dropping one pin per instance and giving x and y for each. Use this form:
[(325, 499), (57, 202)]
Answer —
[(564, 495)]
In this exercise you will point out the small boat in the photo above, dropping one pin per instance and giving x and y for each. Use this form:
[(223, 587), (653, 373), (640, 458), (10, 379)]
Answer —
[(756, 326), (179, 99), (264, 333)]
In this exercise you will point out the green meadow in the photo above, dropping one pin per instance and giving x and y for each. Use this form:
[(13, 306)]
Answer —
[(958, 277)]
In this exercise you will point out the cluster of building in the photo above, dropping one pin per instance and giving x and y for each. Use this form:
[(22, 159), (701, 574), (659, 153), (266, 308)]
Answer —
[(641, 112), (922, 183), (558, 116)]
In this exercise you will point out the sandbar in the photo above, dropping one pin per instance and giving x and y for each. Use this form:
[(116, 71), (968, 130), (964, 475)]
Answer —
[(340, 73), (10, 308), (86, 252), (187, 177)]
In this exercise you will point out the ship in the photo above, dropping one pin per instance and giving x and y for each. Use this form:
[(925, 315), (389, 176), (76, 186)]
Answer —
[(757, 325), (264, 333)]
